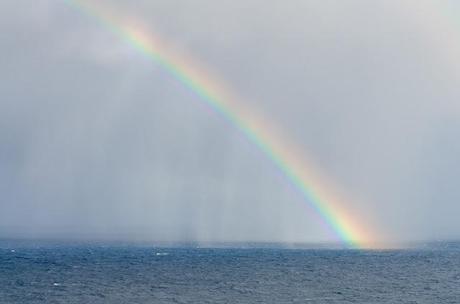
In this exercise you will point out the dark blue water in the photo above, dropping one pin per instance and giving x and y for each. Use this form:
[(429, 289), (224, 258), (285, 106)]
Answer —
[(129, 274)]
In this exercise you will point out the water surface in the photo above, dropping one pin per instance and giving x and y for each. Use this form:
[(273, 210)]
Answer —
[(64, 273)]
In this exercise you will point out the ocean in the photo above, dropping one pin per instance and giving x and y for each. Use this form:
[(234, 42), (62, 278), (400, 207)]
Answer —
[(97, 273)]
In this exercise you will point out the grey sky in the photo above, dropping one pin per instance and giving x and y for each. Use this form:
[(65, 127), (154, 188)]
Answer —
[(96, 141)]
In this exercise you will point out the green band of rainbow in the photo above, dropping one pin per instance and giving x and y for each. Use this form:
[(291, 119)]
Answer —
[(244, 120)]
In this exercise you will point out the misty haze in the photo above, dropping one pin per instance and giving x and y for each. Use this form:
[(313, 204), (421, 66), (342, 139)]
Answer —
[(98, 141)]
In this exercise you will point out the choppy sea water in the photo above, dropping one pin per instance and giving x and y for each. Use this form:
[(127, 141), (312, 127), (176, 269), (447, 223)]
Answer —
[(41, 273)]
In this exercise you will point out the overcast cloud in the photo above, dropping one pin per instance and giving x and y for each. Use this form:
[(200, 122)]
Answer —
[(98, 142)]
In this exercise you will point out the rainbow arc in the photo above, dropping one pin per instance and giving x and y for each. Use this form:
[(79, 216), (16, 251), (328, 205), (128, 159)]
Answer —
[(283, 155)]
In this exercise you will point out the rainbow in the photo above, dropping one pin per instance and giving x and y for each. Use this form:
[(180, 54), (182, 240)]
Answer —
[(282, 154)]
